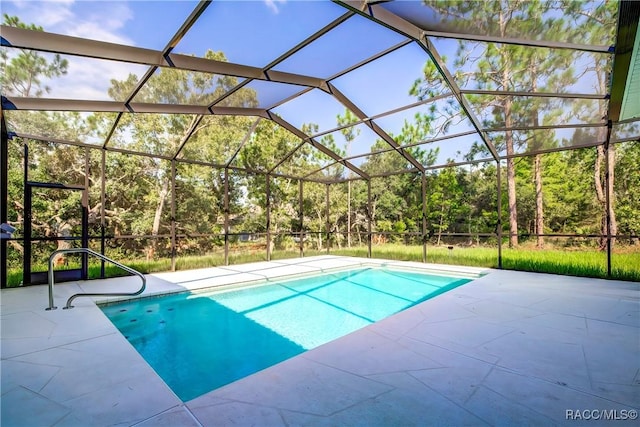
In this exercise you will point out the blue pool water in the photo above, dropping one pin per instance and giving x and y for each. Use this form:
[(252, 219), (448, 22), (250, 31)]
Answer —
[(198, 342)]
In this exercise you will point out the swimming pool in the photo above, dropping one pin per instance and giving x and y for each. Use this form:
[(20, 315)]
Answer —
[(199, 341)]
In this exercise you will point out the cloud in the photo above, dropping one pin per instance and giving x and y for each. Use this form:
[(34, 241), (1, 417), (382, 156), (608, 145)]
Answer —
[(94, 20), (47, 14), (273, 5), (104, 21), (89, 78), (95, 31)]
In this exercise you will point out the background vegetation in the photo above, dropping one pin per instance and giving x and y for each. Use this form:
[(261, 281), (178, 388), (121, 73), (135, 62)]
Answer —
[(547, 198)]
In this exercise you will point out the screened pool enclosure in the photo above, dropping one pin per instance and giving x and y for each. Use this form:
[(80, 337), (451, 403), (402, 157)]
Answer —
[(185, 134)]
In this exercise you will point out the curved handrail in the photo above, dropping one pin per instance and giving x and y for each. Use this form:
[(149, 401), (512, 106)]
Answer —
[(102, 257)]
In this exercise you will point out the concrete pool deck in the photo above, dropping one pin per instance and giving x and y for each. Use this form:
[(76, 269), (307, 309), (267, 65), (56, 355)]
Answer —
[(510, 348)]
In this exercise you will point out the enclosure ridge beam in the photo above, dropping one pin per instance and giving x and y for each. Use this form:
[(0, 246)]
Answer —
[(289, 98), (370, 59), (44, 139), (297, 178), (520, 41), (464, 103), (382, 175), (441, 138), (385, 114), (534, 94), (321, 169), (415, 144), (342, 98), (297, 132), (246, 138), (402, 172), (287, 156), (391, 21), (57, 43), (398, 23), (336, 22), (53, 104), (239, 111), (114, 126), (145, 107), (194, 124), (186, 25), (230, 92), (546, 127), (553, 150), (402, 26)]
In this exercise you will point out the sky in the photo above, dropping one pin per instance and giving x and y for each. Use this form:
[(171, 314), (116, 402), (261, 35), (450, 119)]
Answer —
[(254, 33)]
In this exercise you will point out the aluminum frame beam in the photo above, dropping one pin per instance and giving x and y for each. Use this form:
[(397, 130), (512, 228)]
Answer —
[(520, 41), (534, 94), (383, 17), (68, 45), (54, 104), (628, 17), (297, 132), (363, 5), (344, 100)]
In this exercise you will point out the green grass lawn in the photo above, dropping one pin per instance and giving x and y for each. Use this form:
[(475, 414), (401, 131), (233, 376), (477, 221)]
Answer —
[(585, 263)]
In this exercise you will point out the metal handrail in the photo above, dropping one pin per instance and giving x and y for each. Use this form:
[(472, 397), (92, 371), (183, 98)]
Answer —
[(102, 257)]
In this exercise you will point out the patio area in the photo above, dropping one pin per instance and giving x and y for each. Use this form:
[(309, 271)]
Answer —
[(509, 348)]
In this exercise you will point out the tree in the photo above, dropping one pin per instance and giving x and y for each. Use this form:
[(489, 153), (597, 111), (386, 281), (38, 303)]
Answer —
[(492, 66), (162, 134), (444, 197), (349, 133), (598, 26), (627, 190), (23, 74)]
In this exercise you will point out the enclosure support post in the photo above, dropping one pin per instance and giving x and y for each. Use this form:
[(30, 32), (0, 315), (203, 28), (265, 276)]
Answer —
[(607, 181), (328, 225), (173, 214), (499, 207), (4, 195), (424, 216), (268, 203), (301, 217), (369, 218), (26, 241), (103, 200), (226, 216), (85, 217)]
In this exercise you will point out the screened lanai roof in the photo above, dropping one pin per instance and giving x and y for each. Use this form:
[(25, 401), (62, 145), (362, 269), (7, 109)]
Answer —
[(424, 83)]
